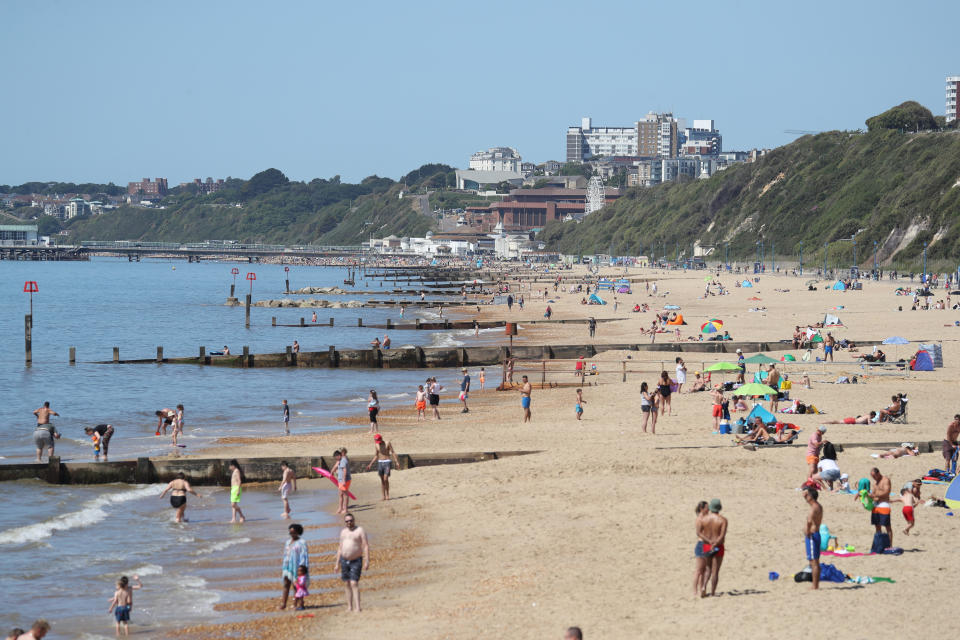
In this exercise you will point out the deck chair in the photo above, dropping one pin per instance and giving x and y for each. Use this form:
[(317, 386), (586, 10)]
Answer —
[(773, 443), (900, 418)]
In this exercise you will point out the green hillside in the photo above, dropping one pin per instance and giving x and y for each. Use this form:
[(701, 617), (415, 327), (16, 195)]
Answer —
[(898, 189), (271, 209)]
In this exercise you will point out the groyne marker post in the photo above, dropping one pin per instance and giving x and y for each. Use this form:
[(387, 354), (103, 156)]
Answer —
[(30, 286), (73, 355), (159, 354), (250, 277), (287, 272), (235, 272)]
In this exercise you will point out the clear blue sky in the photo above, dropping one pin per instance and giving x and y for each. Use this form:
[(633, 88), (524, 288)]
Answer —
[(115, 91)]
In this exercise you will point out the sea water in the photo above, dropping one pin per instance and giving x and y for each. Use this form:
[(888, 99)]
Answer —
[(62, 547)]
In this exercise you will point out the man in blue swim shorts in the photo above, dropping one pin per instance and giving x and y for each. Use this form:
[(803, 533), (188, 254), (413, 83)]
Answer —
[(828, 344), (812, 533), (525, 390)]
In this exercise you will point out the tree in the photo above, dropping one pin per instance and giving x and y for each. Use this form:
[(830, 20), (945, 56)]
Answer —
[(265, 181), (909, 116), (576, 169)]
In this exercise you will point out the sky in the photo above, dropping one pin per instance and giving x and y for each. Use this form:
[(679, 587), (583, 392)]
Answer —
[(104, 91)]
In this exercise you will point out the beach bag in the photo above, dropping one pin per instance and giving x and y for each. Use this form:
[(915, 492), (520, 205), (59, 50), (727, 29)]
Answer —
[(801, 408), (880, 542), (829, 573)]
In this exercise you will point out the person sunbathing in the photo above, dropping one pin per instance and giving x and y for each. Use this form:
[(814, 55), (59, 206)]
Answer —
[(905, 449), (739, 404), (865, 418), (878, 356), (892, 411), (698, 383), (805, 380), (760, 434)]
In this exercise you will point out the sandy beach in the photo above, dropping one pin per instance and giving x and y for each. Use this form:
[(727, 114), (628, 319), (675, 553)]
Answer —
[(596, 528)]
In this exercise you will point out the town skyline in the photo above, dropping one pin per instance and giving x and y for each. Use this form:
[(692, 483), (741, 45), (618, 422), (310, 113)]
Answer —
[(291, 89)]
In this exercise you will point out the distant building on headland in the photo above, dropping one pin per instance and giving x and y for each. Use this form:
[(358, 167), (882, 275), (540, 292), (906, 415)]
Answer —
[(474, 180), (953, 90), (497, 159), (156, 189), (205, 187), (530, 209)]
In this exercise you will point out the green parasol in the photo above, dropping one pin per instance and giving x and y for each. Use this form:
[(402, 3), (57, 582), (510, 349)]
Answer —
[(755, 389), (760, 358)]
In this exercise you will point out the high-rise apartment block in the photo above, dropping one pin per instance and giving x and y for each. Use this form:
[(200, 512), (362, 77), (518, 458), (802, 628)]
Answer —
[(656, 135), (146, 188), (496, 159), (953, 89)]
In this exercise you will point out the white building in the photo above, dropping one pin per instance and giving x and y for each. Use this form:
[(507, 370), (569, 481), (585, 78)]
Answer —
[(586, 141), (497, 159), (18, 234), (76, 207), (953, 89), (471, 179)]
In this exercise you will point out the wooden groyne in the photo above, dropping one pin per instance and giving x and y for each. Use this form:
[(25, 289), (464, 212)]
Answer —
[(445, 357), (215, 471), (419, 325)]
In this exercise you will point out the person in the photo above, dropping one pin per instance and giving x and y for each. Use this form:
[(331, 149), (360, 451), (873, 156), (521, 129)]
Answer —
[(353, 554), (759, 433), (296, 346), (701, 569), (226, 350), (580, 402), (38, 630), (805, 380), (573, 633), (434, 389), (698, 383), (509, 302), (742, 365), (909, 501), (648, 407), (681, 374), (15, 633), (578, 368), (773, 381), (236, 489), (880, 516), (740, 403), (177, 423), (122, 602), (165, 418), (313, 318), (525, 390), (717, 410), (386, 341), (104, 433), (864, 418), (510, 362), (45, 433), (592, 324), (811, 533), (342, 464), (548, 312), (385, 457), (483, 378), (295, 555), (421, 403), (179, 487), (892, 411), (714, 528), (375, 343), (828, 343), (288, 483), (827, 468), (663, 388), (373, 408), (303, 581), (905, 449), (286, 417), (464, 390), (950, 442), (813, 449)]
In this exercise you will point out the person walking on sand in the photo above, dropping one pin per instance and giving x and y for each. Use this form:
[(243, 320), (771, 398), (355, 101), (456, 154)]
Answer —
[(353, 555), (648, 407), (288, 483), (434, 388), (483, 378), (465, 390), (286, 417), (681, 374), (385, 457), (880, 516), (580, 402), (373, 408), (715, 533), (663, 388), (811, 532), (814, 444), (295, 555), (342, 464), (701, 569), (45, 433), (525, 390), (236, 489), (592, 325), (122, 602), (421, 403), (179, 488)]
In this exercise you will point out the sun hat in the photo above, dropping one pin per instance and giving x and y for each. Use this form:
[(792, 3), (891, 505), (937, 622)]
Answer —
[(715, 505), (822, 427)]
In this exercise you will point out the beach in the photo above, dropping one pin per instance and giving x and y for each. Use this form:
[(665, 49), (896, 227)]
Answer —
[(596, 529)]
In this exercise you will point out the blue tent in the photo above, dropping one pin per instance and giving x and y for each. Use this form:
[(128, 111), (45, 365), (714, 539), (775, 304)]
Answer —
[(923, 361), (746, 283), (839, 286), (763, 414), (594, 298)]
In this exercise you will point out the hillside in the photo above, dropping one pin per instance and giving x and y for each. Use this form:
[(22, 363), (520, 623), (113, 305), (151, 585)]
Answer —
[(898, 189), (271, 209)]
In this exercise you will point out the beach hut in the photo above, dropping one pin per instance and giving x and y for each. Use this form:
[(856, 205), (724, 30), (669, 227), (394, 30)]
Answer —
[(746, 283), (595, 299), (839, 286)]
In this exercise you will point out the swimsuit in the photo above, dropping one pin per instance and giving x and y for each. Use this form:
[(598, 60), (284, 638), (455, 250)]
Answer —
[(373, 413), (717, 411), (525, 402), (383, 468), (812, 544), (302, 583), (122, 614), (711, 550), (664, 390), (350, 569), (421, 405), (908, 513), (235, 492), (285, 490), (880, 516), (178, 501), (579, 409)]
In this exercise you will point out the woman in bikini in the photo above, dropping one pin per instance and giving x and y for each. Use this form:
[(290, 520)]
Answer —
[(179, 488)]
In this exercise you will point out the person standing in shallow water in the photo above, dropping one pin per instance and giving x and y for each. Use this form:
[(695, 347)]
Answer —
[(236, 489)]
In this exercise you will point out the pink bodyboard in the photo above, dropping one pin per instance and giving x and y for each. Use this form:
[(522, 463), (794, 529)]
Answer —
[(329, 476)]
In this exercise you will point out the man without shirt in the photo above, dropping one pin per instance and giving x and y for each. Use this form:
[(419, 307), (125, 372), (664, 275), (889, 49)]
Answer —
[(165, 419), (288, 483), (880, 516), (45, 433), (353, 554), (714, 529), (384, 456), (525, 391), (811, 532), (465, 390), (950, 442)]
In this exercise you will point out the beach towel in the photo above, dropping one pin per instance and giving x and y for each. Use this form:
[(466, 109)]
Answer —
[(829, 573)]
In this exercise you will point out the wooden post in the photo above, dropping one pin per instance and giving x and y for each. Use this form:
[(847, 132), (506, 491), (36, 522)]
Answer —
[(232, 287), (333, 357), (28, 338), (248, 311), (359, 322), (73, 355), (159, 354), (116, 355), (543, 378), (301, 322), (289, 355), (418, 324), (389, 324), (288, 285), (331, 321), (273, 321), (203, 354), (246, 357), (624, 362)]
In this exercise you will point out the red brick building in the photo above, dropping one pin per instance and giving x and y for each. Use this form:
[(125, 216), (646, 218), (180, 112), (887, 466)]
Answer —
[(148, 189), (527, 209)]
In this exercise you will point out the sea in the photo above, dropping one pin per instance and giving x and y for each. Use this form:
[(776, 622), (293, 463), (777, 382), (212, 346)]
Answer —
[(62, 547)]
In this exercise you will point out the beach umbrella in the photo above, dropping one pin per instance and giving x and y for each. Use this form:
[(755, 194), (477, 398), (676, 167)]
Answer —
[(708, 279), (755, 389), (711, 326), (760, 358), (722, 366), (895, 340)]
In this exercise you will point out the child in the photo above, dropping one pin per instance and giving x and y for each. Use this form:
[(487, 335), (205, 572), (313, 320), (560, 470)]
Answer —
[(909, 500), (122, 602), (483, 378), (177, 424), (422, 403), (580, 403), (96, 445), (303, 581)]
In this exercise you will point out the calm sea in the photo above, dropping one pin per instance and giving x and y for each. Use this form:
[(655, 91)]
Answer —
[(62, 547)]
